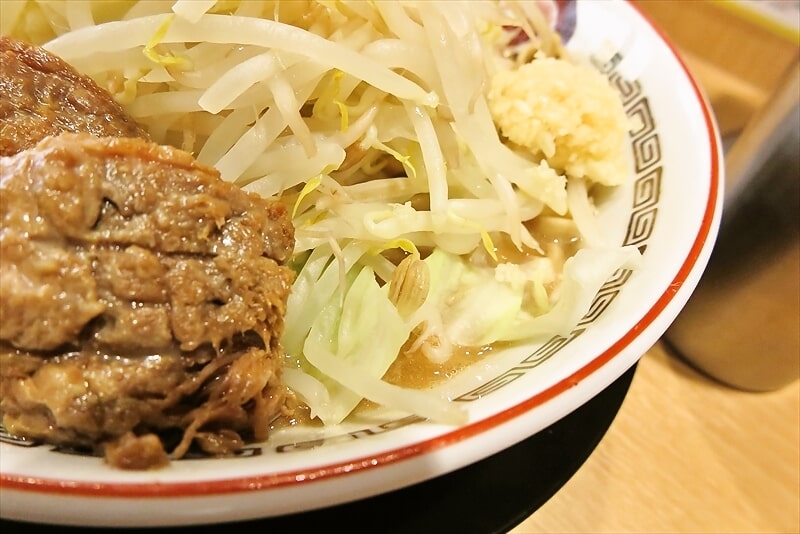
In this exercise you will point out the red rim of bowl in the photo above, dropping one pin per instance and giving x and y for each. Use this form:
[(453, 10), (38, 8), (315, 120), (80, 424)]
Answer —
[(326, 472)]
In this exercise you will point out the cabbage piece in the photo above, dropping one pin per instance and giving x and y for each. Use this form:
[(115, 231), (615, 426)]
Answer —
[(476, 306), (350, 345), (353, 340), (419, 402), (319, 279), (583, 276), (473, 306)]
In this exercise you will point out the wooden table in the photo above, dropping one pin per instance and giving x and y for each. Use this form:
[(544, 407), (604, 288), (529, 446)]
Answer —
[(686, 454)]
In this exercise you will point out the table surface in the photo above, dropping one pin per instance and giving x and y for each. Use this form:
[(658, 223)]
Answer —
[(686, 454)]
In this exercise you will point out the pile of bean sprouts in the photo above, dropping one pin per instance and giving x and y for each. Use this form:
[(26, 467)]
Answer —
[(368, 118)]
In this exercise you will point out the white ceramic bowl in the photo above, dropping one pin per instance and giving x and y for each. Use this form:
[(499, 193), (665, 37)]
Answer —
[(670, 210)]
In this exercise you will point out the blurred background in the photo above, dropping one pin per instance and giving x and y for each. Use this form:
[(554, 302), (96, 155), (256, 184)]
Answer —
[(742, 324), (739, 50)]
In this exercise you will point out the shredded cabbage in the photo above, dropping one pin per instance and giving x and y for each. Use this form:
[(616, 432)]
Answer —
[(351, 346), (372, 122)]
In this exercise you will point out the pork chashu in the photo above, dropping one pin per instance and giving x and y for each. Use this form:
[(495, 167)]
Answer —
[(142, 301), (41, 95)]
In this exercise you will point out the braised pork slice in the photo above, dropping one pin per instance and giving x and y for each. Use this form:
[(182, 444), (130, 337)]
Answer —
[(43, 95), (142, 298)]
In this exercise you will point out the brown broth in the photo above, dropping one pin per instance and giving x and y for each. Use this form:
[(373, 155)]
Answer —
[(295, 413), (412, 369)]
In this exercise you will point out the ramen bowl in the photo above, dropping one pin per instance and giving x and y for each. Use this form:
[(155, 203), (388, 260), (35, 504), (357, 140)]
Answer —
[(669, 210)]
